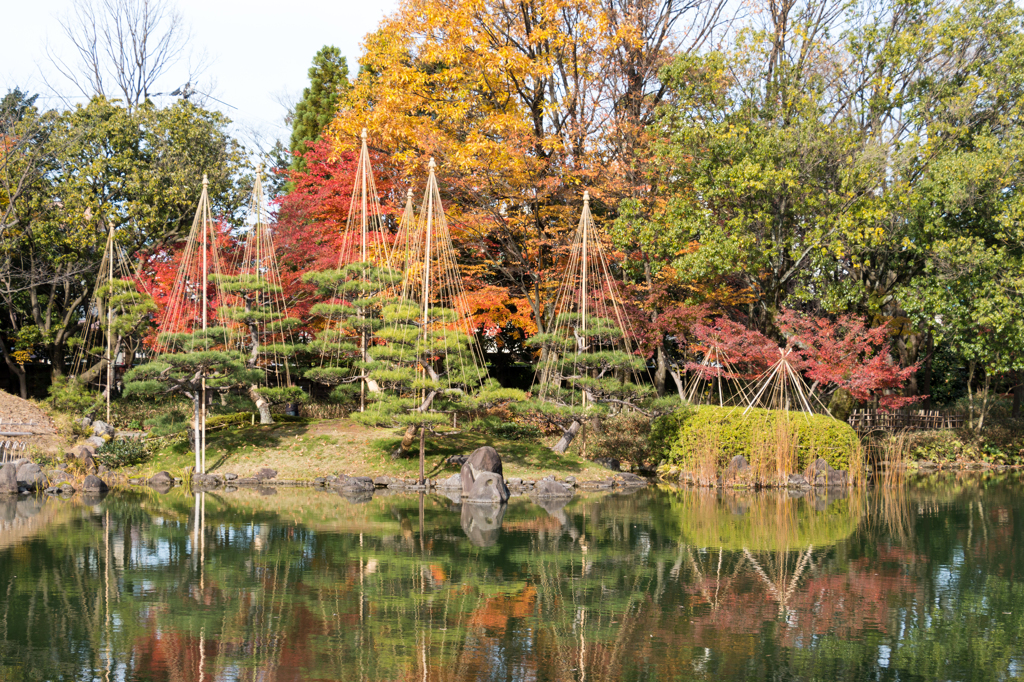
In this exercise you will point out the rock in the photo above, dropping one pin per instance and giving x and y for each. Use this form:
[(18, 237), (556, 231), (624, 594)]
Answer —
[(570, 481), (205, 480), (230, 477), (84, 422), (354, 484), (102, 429), (30, 476), (738, 472), (482, 460), (67, 488), (482, 522), (265, 474), (57, 476), (89, 464), (820, 474), (96, 442), (453, 482), (609, 463), (18, 463), (8, 479), (797, 481), (925, 464), (161, 479), (383, 481), (457, 460), (487, 487), (514, 482), (549, 487), (94, 484), (628, 480), (136, 481), (595, 485), (104, 469), (320, 481)]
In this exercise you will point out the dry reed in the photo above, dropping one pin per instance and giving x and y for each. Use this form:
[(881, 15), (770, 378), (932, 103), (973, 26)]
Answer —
[(705, 452)]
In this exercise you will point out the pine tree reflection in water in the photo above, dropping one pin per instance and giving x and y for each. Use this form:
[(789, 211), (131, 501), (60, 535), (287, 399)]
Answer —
[(656, 585)]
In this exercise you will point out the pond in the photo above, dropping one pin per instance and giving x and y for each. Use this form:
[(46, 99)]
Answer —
[(925, 582)]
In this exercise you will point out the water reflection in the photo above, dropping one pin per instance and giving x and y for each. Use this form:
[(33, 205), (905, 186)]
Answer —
[(674, 584)]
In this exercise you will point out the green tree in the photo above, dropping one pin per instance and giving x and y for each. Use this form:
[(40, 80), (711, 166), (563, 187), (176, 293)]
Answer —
[(266, 331), (352, 319), (328, 81), (427, 372), (103, 166)]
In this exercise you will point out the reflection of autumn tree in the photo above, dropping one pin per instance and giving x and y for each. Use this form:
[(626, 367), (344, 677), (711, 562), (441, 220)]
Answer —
[(302, 585)]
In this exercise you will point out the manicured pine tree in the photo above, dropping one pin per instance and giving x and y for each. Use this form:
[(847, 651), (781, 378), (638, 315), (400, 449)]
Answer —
[(258, 308), (355, 292), (589, 367), (430, 368), (194, 358)]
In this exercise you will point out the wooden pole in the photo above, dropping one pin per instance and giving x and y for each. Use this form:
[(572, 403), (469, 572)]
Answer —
[(110, 317), (201, 434)]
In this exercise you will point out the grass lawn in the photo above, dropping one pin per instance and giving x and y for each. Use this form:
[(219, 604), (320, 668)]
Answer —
[(303, 451)]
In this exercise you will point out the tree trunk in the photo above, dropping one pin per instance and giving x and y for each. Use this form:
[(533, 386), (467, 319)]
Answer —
[(261, 404), (423, 452), (678, 379), (661, 372), (1018, 394), (566, 440), (985, 401), (17, 370)]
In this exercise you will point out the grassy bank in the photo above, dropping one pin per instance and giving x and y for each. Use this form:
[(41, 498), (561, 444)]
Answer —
[(306, 450)]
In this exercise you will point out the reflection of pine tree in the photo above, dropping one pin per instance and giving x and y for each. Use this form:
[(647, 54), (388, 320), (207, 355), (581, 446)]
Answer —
[(266, 329)]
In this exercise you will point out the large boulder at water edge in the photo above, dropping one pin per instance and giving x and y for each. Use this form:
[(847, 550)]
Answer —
[(549, 487), (821, 474), (487, 487), (94, 484), (353, 484), (8, 480), (31, 476), (485, 460)]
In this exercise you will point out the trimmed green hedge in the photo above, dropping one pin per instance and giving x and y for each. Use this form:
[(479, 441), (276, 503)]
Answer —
[(735, 434)]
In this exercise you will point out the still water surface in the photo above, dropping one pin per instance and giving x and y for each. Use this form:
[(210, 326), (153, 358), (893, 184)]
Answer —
[(924, 584)]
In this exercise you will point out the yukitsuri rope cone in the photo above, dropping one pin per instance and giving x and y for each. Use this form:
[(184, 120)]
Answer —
[(194, 354), (431, 366), (256, 314), (589, 365), (355, 292), (117, 311)]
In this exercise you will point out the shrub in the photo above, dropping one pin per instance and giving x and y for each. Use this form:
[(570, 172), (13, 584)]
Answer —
[(67, 395), (502, 428), (625, 437), (759, 434), (123, 453)]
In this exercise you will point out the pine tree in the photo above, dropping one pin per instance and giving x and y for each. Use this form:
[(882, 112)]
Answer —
[(328, 80), (266, 328), (352, 318), (427, 372)]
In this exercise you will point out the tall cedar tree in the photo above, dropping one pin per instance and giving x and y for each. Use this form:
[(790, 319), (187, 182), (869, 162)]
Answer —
[(328, 80)]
